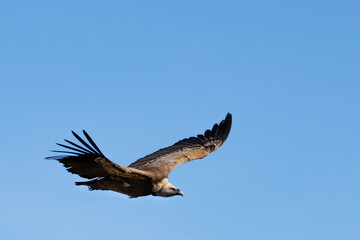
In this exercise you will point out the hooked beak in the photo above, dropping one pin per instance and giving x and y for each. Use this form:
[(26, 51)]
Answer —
[(179, 192)]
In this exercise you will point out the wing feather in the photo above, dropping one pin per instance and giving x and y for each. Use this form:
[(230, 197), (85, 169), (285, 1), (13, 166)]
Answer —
[(89, 148), (89, 162), (166, 159), (92, 143), (79, 147), (71, 148)]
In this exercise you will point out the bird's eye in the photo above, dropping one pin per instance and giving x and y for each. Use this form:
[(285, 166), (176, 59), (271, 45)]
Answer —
[(174, 189)]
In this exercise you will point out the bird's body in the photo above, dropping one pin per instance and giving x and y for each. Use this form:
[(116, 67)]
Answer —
[(146, 176)]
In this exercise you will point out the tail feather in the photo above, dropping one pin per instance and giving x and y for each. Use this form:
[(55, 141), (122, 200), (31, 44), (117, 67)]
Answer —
[(93, 185)]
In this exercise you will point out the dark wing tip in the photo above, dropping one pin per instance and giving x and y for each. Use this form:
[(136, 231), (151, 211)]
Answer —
[(86, 149), (216, 136), (59, 157), (93, 143), (91, 149), (228, 118), (226, 126), (219, 132)]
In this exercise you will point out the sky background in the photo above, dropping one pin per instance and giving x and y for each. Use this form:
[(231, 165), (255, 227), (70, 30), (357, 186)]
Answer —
[(141, 75)]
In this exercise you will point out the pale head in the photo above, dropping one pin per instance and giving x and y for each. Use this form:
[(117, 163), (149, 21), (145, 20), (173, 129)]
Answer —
[(165, 189)]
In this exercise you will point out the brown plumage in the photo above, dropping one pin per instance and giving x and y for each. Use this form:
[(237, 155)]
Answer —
[(146, 176)]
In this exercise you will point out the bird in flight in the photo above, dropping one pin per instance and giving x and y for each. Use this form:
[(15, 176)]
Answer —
[(146, 176)]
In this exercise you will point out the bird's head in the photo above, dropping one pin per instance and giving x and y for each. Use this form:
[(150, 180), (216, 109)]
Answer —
[(166, 189), (175, 191)]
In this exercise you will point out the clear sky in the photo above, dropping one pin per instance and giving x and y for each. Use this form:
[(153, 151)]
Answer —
[(141, 75)]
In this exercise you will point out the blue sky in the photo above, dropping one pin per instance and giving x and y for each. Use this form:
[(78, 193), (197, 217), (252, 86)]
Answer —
[(139, 76)]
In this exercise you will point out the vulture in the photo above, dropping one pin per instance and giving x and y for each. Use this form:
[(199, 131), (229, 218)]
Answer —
[(147, 175)]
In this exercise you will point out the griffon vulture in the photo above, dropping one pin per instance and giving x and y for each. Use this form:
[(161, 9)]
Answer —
[(148, 175)]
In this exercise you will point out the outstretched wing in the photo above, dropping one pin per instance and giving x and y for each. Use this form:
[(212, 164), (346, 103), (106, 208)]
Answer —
[(163, 161), (88, 161)]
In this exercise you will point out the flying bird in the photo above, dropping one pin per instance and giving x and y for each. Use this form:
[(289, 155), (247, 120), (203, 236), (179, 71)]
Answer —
[(146, 176)]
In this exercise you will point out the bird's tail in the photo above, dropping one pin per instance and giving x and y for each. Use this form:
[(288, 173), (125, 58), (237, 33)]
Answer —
[(93, 184)]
